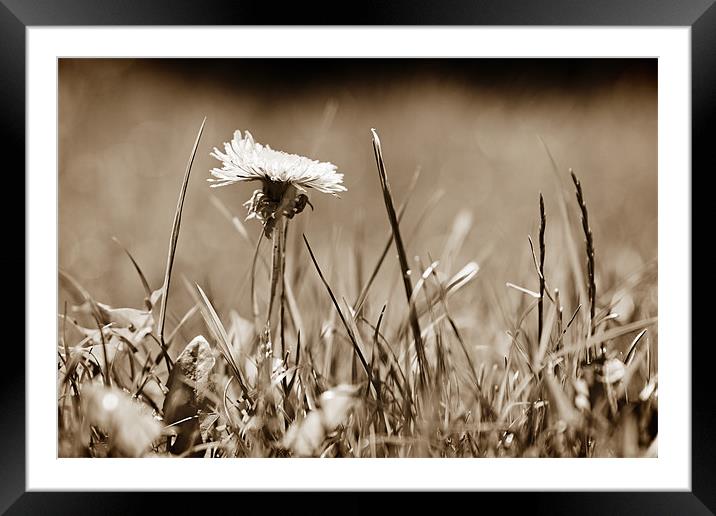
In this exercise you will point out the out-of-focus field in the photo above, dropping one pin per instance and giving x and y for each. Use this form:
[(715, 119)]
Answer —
[(127, 127)]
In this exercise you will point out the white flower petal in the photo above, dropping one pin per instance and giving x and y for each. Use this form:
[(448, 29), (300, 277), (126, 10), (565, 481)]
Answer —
[(246, 160)]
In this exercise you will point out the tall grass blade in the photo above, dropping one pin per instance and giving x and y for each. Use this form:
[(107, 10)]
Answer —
[(358, 305), (402, 257), (174, 237)]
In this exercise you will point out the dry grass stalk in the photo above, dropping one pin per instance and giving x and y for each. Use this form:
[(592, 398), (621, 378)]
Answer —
[(589, 243)]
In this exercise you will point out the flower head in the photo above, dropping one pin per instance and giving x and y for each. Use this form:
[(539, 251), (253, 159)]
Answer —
[(285, 177)]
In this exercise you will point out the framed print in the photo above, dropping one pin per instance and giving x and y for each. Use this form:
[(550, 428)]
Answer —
[(409, 250)]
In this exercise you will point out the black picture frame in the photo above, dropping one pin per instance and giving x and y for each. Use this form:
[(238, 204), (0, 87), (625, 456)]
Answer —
[(17, 15)]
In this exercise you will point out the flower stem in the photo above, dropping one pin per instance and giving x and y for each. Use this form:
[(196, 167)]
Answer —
[(254, 302), (276, 267), (282, 306)]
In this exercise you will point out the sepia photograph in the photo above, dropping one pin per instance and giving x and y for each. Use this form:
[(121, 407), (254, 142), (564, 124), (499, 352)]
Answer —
[(357, 258)]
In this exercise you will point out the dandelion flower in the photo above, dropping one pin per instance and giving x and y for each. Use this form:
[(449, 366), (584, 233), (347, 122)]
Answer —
[(285, 178)]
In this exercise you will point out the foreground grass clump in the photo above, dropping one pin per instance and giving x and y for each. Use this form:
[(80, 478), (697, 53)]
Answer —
[(311, 374)]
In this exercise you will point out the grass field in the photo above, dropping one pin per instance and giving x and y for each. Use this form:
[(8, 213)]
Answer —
[(526, 325)]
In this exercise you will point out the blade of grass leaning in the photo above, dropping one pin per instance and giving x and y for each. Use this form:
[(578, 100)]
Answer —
[(359, 246), (142, 278), (235, 221), (421, 281), (393, 362), (69, 375), (461, 278), (188, 315), (106, 372), (351, 335), (298, 362), (427, 208), (241, 229), (174, 237), (562, 405), (402, 257), (358, 305), (456, 239), (608, 335), (632, 347), (218, 331), (442, 295), (376, 332), (527, 291), (80, 294), (571, 319), (544, 340)]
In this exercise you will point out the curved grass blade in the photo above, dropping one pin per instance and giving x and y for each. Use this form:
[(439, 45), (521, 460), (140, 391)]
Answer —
[(142, 278), (174, 237), (218, 331)]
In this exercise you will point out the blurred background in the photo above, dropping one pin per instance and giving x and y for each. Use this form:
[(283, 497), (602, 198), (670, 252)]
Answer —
[(477, 129)]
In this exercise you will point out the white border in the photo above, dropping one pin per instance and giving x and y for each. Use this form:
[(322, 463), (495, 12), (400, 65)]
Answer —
[(670, 471)]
